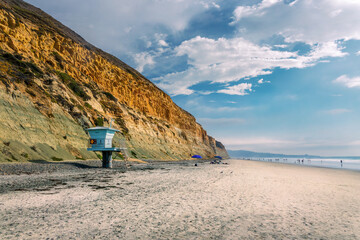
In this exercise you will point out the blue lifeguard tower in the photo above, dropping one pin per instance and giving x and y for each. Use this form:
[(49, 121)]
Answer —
[(101, 141)]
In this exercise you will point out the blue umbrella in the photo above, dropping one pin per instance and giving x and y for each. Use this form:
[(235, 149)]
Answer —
[(218, 157), (196, 156)]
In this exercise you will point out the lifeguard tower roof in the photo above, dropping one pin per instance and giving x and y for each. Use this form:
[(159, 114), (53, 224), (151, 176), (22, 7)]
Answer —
[(102, 128)]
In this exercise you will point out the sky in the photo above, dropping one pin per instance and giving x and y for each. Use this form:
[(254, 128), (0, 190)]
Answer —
[(278, 76)]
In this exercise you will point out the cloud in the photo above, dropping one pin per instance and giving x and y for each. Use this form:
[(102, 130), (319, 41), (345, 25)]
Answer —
[(240, 89), (143, 59), (337, 111), (229, 60), (210, 4), (358, 53), (144, 32), (119, 26), (310, 21), (205, 92), (261, 81), (348, 82), (281, 45), (254, 10), (163, 43)]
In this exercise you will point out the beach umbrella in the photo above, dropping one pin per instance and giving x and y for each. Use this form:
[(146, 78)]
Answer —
[(218, 157), (196, 156)]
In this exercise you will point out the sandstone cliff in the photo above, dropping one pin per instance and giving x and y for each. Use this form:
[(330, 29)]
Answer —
[(53, 85)]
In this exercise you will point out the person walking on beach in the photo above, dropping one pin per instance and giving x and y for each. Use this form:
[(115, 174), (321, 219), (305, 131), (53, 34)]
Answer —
[(341, 162)]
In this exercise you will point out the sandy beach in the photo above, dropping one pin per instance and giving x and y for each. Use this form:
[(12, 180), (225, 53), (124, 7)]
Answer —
[(242, 200)]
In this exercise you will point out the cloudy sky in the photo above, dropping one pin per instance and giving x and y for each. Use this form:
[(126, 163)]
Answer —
[(264, 75)]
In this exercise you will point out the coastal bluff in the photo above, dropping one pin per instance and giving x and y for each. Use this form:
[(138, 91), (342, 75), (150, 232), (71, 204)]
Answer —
[(54, 85)]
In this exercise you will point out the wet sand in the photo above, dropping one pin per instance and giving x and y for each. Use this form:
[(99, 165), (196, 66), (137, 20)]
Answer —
[(242, 200)]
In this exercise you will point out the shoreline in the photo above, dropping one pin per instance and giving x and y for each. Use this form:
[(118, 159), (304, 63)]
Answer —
[(300, 165)]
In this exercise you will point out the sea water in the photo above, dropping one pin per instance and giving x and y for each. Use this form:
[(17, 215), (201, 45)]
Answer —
[(342, 163)]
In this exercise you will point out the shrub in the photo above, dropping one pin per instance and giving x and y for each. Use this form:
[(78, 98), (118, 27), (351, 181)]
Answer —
[(121, 122), (78, 90), (133, 153), (110, 96), (64, 77), (56, 159), (88, 105), (57, 56), (23, 66), (73, 85), (99, 122)]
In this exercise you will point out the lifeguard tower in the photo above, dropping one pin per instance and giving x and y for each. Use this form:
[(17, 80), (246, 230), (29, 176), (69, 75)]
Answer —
[(101, 141)]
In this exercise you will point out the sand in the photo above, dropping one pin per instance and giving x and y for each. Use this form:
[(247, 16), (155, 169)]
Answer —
[(242, 200)]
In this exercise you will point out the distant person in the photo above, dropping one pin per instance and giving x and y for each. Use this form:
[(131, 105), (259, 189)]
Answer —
[(341, 162)]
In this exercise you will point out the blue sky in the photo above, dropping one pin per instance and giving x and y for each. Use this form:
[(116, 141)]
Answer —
[(269, 75)]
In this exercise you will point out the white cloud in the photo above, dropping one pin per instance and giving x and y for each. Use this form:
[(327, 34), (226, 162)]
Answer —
[(140, 33), (293, 3), (143, 59), (255, 10), (358, 53), (281, 46), (210, 4), (228, 60), (117, 25), (205, 92), (240, 89), (261, 81), (310, 21), (163, 43), (348, 82), (337, 111)]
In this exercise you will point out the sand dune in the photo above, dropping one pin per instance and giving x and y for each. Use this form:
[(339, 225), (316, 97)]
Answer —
[(242, 200)]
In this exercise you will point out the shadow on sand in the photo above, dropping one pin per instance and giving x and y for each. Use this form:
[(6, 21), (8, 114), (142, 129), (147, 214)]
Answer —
[(75, 164)]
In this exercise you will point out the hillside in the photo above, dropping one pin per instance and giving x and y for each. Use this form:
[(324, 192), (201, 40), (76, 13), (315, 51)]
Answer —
[(54, 85)]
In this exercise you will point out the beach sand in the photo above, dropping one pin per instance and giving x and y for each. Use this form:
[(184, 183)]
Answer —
[(242, 200)]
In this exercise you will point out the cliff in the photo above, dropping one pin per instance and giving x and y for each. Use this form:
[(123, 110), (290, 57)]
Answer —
[(53, 85)]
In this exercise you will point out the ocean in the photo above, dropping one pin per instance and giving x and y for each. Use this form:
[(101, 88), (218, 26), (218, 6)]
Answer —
[(347, 163)]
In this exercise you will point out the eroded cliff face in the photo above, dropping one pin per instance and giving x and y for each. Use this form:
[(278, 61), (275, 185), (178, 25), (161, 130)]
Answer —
[(53, 85)]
